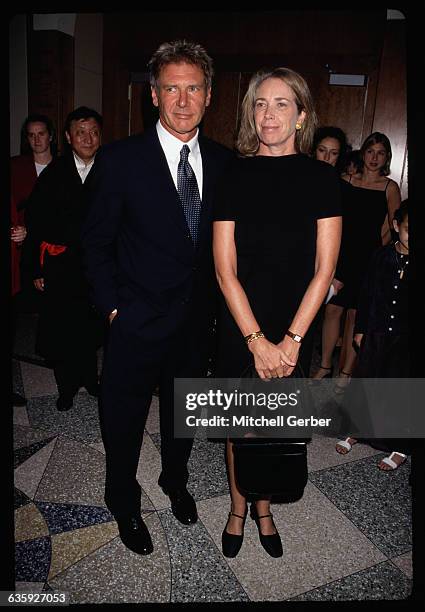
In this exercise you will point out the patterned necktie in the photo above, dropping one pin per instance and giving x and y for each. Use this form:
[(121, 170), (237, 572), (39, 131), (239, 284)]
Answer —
[(187, 188)]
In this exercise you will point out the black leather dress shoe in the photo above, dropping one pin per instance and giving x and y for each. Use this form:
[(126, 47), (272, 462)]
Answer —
[(182, 506), (18, 400), (135, 535), (64, 402)]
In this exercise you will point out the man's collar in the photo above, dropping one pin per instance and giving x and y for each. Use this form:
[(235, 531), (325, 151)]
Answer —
[(173, 145), (80, 163)]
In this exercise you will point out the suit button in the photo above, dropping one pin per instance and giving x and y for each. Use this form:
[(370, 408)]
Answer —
[(185, 300), (194, 268)]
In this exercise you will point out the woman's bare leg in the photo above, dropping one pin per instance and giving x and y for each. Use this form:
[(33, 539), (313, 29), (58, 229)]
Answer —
[(330, 335), (347, 365), (235, 524)]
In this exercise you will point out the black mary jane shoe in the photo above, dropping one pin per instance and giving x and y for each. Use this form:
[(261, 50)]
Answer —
[(272, 544), (231, 543)]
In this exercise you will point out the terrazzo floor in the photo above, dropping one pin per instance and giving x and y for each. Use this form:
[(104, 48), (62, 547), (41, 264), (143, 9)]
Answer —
[(348, 538)]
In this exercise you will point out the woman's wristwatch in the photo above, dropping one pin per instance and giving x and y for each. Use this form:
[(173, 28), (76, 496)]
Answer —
[(295, 337)]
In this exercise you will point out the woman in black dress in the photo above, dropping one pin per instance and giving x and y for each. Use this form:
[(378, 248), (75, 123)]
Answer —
[(276, 240), (369, 200)]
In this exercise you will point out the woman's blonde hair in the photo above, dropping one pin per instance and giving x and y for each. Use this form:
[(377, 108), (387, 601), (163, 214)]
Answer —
[(247, 142)]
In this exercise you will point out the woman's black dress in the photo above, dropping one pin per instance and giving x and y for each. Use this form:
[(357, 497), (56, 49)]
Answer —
[(364, 212), (275, 203)]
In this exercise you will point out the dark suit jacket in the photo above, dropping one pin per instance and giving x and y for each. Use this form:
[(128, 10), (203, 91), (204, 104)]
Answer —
[(54, 213), (139, 255)]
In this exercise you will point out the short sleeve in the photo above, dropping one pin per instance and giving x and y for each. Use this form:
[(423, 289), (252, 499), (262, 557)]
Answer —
[(327, 192), (226, 198)]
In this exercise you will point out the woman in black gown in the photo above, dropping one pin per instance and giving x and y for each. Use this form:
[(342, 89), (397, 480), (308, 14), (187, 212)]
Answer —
[(276, 240), (369, 200)]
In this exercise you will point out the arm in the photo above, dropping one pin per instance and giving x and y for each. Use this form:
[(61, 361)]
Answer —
[(393, 202), (327, 248), (267, 357)]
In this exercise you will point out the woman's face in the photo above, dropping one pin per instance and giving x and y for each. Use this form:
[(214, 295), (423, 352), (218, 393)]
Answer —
[(275, 116), (328, 150), (403, 231), (375, 157)]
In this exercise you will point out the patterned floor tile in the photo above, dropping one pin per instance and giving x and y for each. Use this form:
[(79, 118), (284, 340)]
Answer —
[(377, 502), (20, 416), (24, 453), (380, 582), (74, 475), (199, 572), (68, 548), (32, 560), (67, 517), (311, 529), (20, 499), (114, 574), (404, 562), (25, 436), (29, 474), (81, 422), (29, 523)]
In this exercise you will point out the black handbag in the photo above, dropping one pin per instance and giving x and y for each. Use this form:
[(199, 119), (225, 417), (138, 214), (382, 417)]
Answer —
[(269, 467)]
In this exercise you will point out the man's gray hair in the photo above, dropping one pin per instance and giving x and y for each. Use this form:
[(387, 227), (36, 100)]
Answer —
[(176, 52)]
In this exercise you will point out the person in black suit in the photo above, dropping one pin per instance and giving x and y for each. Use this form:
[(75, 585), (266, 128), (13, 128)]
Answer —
[(148, 254), (69, 330)]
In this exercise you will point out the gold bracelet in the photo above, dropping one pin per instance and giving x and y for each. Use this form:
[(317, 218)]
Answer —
[(250, 337)]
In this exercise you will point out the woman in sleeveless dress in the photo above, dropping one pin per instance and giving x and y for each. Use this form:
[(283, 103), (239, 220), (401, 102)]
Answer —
[(370, 195)]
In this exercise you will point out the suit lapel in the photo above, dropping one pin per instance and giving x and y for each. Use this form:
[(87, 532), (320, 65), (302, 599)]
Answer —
[(167, 192)]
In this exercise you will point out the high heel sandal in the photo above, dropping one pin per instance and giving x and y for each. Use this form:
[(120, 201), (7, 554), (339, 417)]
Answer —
[(329, 375), (272, 544), (338, 388), (231, 543)]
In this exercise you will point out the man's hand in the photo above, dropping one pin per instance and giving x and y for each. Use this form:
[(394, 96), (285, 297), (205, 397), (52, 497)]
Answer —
[(39, 284), (113, 315), (18, 233)]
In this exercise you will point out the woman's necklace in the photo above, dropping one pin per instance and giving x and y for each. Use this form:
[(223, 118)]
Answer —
[(401, 264)]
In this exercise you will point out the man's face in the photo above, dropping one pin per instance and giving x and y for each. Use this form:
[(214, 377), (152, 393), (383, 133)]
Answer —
[(38, 137), (84, 137), (181, 97)]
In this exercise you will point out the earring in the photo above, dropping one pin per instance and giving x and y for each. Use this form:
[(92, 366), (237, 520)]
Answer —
[(298, 125)]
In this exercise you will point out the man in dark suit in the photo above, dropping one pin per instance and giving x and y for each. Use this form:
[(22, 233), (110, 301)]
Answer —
[(147, 242), (69, 329)]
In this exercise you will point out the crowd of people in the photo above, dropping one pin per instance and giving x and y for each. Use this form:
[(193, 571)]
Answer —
[(155, 241)]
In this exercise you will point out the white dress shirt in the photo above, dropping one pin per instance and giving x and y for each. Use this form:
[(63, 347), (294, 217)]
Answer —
[(172, 147), (83, 169)]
